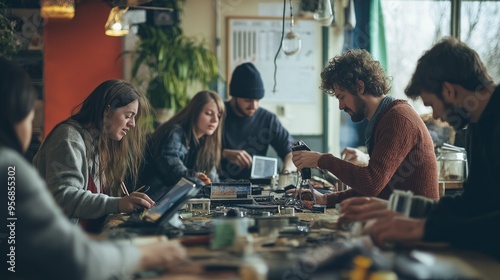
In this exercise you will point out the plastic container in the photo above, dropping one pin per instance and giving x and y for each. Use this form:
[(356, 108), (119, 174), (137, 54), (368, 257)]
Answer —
[(230, 231)]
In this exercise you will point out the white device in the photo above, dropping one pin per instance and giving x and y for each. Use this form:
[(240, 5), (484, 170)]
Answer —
[(263, 167)]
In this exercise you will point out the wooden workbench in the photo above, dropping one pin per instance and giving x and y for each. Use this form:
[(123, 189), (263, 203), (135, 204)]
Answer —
[(283, 258)]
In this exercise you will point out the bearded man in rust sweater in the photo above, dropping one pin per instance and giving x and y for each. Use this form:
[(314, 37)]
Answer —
[(399, 145)]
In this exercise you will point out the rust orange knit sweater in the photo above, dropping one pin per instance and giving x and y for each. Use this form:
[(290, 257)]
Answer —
[(403, 158)]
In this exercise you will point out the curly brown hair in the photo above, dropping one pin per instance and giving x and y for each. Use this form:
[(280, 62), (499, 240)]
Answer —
[(355, 65)]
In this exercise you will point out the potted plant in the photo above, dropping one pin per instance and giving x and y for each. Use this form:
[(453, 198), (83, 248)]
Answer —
[(8, 45), (174, 61)]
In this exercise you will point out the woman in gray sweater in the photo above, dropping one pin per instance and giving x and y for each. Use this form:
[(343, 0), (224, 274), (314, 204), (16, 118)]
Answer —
[(38, 241), (85, 158)]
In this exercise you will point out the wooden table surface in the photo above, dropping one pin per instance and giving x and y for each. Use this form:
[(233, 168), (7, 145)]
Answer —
[(205, 262)]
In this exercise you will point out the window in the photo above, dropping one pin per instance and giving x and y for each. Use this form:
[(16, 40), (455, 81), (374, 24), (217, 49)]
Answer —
[(412, 27), (480, 29)]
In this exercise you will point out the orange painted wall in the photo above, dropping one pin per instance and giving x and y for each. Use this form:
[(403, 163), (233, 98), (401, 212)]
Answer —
[(78, 56)]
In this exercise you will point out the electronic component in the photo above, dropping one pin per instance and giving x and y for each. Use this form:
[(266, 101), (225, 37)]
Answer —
[(198, 205)]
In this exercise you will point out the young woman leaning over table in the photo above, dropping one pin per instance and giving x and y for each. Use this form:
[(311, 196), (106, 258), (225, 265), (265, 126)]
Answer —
[(47, 245), (188, 144), (85, 158)]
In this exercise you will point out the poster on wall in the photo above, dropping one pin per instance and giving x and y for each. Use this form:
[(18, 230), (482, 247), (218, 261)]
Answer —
[(257, 40)]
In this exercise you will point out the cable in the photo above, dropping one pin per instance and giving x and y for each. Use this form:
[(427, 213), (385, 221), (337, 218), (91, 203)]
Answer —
[(281, 44)]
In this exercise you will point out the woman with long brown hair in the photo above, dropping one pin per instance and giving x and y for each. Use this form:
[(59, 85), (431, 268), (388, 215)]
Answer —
[(86, 158), (47, 245), (188, 144)]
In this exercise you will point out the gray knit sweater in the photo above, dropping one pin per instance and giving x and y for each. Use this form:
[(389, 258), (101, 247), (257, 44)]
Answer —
[(47, 245), (62, 161)]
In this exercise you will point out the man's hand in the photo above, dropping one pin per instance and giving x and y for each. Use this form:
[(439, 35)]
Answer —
[(238, 157), (355, 156), (305, 159), (362, 208), (306, 197), (393, 227)]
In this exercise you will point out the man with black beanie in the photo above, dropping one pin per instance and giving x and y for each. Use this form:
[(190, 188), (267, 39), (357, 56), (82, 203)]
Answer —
[(248, 129)]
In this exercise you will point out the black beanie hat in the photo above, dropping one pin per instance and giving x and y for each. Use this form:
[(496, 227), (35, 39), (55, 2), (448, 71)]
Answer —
[(246, 82)]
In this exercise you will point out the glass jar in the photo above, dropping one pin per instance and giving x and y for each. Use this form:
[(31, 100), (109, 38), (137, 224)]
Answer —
[(452, 165)]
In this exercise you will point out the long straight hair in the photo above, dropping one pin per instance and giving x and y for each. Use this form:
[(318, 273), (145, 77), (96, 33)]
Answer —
[(113, 160), (209, 152), (18, 97)]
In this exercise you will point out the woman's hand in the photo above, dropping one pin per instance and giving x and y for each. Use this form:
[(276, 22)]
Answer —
[(135, 201), (163, 254), (204, 178)]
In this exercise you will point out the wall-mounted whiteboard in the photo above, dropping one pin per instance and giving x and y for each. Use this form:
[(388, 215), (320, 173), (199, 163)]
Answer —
[(257, 40)]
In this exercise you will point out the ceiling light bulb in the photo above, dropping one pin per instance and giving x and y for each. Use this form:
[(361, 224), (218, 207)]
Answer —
[(117, 24), (324, 13), (57, 9), (291, 43)]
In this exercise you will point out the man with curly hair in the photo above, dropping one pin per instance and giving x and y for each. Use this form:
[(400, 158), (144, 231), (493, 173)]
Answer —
[(400, 149), (452, 79)]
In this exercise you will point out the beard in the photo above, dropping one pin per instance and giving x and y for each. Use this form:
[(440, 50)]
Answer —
[(456, 116), (242, 111), (360, 110)]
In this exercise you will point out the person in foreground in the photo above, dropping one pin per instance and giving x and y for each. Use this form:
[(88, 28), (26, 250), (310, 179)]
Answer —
[(249, 130), (85, 158), (399, 145), (47, 245), (451, 78), (187, 145)]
